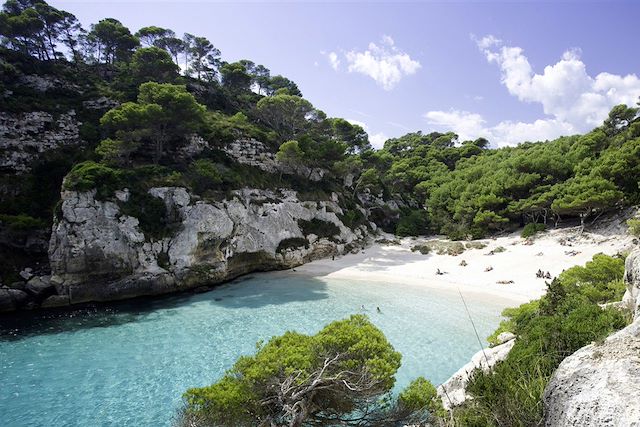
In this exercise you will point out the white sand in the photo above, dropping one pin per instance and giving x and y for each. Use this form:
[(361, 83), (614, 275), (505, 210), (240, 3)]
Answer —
[(519, 263)]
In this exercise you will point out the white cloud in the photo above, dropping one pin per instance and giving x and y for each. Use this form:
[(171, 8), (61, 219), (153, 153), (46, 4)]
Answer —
[(470, 126), (565, 89), (572, 100), (467, 125), (384, 63), (376, 139), (333, 60)]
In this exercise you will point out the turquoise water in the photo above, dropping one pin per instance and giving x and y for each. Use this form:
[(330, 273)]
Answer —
[(128, 364)]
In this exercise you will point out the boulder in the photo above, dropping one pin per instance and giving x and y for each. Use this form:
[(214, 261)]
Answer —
[(40, 286), (504, 337), (597, 386), (27, 273)]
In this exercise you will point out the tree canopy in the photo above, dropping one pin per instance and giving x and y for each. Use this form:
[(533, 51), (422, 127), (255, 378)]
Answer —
[(339, 376), (161, 120)]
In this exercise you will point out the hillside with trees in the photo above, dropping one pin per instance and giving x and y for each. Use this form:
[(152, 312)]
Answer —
[(169, 87)]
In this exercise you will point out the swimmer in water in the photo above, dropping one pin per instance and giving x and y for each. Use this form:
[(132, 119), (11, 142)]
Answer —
[(378, 309)]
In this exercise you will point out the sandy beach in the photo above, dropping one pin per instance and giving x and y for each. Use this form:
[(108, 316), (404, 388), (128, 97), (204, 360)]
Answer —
[(490, 272)]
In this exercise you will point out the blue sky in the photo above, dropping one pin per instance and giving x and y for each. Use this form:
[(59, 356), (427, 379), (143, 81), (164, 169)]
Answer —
[(508, 71)]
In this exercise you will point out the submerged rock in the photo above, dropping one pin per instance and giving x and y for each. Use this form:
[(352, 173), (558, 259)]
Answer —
[(598, 384)]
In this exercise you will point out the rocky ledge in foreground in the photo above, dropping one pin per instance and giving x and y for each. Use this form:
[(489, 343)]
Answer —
[(599, 384), (100, 252)]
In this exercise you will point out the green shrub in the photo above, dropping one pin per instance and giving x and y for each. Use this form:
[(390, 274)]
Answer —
[(532, 229), (634, 226), (151, 213), (415, 223), (475, 245), (420, 395), (22, 222), (565, 319), (440, 247), (515, 317), (88, 175), (600, 280), (423, 249), (319, 227), (292, 243), (352, 218), (205, 175)]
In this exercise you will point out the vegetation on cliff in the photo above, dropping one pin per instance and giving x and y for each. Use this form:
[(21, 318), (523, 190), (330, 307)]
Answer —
[(459, 188), (567, 318)]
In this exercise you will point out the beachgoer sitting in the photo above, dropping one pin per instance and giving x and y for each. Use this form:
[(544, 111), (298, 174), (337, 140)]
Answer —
[(488, 269), (463, 263)]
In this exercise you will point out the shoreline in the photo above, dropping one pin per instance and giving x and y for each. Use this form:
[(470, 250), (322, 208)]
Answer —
[(552, 251)]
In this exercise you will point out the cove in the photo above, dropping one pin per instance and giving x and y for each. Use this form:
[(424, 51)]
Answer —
[(127, 364)]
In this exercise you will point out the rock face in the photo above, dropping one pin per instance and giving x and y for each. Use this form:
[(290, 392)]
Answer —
[(97, 253), (24, 136), (255, 153), (453, 391), (252, 152), (599, 384)]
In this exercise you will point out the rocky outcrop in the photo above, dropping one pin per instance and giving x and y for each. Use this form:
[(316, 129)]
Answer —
[(632, 279), (252, 152), (249, 151), (25, 136), (453, 392), (97, 253), (598, 384)]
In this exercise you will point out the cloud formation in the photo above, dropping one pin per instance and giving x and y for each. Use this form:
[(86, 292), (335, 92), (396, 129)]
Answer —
[(470, 126), (384, 63), (377, 140), (573, 100), (333, 60)]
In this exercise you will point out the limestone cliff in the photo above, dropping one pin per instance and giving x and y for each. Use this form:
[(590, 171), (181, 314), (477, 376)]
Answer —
[(97, 253), (598, 384)]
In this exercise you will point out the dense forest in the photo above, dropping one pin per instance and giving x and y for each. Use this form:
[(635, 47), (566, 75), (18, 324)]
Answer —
[(165, 89)]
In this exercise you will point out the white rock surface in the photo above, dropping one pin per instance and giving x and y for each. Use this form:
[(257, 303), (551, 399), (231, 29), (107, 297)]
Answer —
[(599, 385), (94, 243), (453, 391)]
